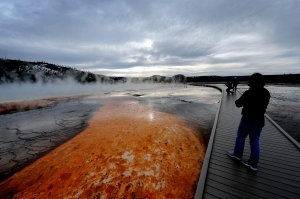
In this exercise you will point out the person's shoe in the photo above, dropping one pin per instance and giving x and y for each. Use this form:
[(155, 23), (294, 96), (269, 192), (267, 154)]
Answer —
[(253, 168), (245, 163), (231, 154), (249, 166)]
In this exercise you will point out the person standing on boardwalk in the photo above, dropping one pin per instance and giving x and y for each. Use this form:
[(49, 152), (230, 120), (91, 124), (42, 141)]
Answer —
[(254, 102), (235, 82)]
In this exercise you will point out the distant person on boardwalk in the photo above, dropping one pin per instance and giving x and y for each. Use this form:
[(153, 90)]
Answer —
[(235, 82), (229, 87), (254, 102)]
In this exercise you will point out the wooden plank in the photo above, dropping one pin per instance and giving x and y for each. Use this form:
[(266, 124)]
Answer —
[(264, 180), (209, 196), (255, 183), (276, 161), (283, 132), (214, 192), (264, 168), (287, 179), (241, 188), (281, 151), (231, 190)]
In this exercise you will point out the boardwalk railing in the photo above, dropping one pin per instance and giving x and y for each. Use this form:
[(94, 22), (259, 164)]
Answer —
[(290, 138)]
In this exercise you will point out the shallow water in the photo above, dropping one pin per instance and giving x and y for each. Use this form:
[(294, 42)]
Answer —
[(196, 105), (27, 91)]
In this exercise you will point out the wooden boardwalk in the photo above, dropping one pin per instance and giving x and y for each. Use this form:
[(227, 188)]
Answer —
[(279, 167)]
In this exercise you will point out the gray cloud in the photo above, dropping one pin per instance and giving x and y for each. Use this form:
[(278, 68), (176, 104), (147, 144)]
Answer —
[(181, 36)]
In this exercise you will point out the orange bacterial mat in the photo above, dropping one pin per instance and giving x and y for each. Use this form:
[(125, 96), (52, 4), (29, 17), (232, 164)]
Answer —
[(127, 151)]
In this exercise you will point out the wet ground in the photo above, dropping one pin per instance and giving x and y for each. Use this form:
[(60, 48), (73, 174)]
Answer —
[(195, 105), (27, 135), (138, 143)]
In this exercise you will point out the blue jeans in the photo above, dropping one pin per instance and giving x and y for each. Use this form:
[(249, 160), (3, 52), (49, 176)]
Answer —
[(253, 129)]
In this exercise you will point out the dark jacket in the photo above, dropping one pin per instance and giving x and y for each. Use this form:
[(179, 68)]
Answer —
[(254, 102)]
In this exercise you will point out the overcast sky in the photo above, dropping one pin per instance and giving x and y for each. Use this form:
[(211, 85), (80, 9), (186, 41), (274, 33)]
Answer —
[(166, 37)]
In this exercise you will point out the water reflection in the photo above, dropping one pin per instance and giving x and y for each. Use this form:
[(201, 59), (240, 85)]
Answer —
[(151, 116)]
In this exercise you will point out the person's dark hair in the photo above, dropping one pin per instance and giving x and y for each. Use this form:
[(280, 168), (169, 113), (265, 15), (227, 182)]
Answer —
[(256, 81)]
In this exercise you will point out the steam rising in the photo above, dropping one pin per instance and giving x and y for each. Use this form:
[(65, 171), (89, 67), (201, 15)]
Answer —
[(30, 91), (21, 80)]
